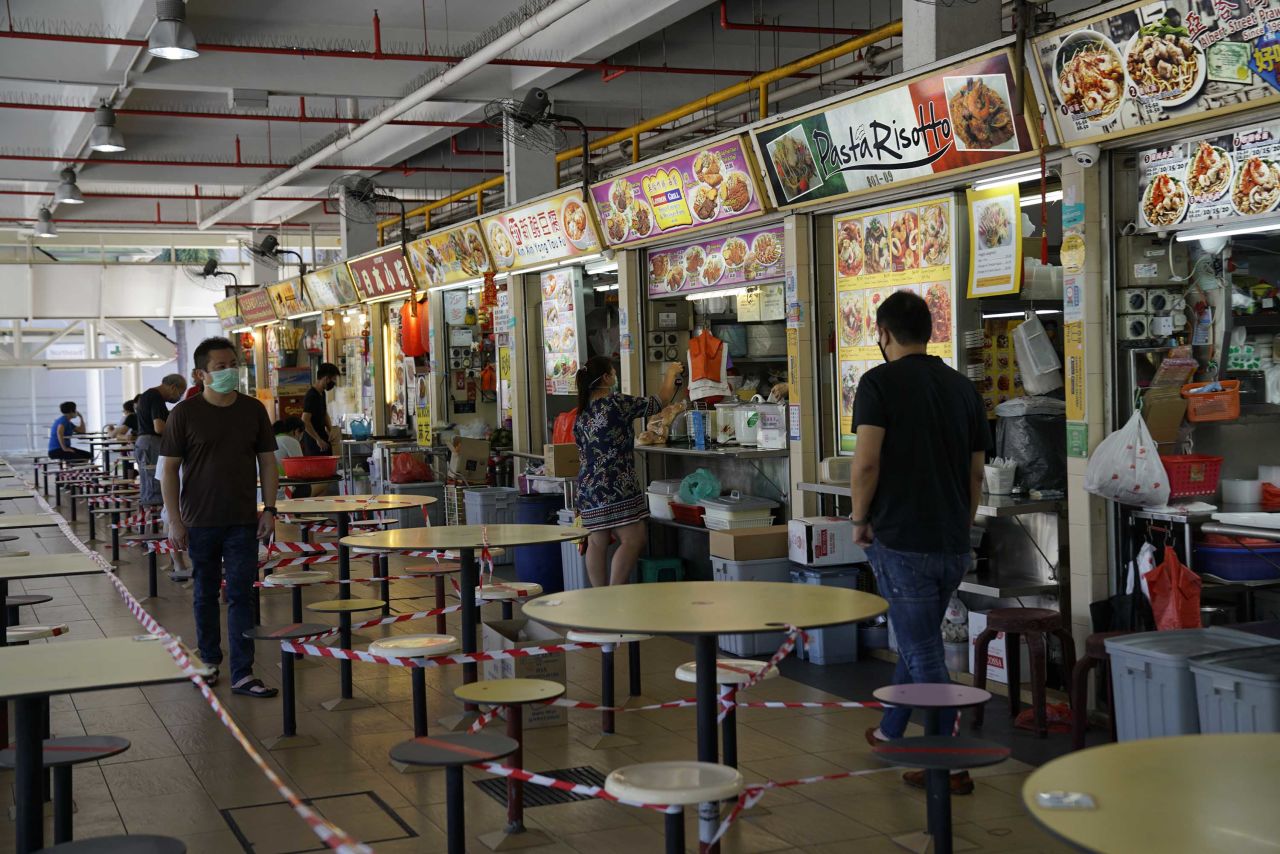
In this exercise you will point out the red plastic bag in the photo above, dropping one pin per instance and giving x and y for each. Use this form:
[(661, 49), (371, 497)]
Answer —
[(1057, 718), (562, 430), (1175, 593), (409, 468), (410, 333)]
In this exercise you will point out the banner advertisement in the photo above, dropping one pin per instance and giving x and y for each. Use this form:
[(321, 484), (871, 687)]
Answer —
[(553, 229), (450, 255), (257, 308), (229, 313), (701, 188), (1158, 63), (725, 262), (947, 120), (907, 247), (289, 297), (995, 241), (561, 313), (330, 287)]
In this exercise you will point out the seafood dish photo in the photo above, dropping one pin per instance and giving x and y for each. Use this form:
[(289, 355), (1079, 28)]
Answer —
[(1209, 172), (573, 217), (1164, 63), (641, 218), (853, 308), (1257, 186), (793, 162), (617, 224), (1165, 200), (849, 252), (734, 251), (935, 235), (705, 202), (1090, 75), (904, 240), (735, 192), (500, 240), (875, 247), (713, 269), (694, 258), (938, 297), (849, 376), (980, 115), (767, 248), (707, 168), (994, 226)]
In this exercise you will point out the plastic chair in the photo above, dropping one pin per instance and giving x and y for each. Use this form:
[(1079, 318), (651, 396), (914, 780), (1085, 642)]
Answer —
[(677, 784)]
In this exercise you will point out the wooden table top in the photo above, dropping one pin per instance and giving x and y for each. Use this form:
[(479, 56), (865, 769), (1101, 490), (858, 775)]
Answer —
[(16, 493), (90, 665), (46, 566), (464, 537), (704, 607), (351, 503), (29, 520), (1177, 795)]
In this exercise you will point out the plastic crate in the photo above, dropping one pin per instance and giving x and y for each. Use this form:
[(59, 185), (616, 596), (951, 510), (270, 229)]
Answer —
[(1192, 474), (834, 644), (455, 505), (1238, 563), (772, 569), (688, 514), (718, 523), (1213, 405), (1238, 690)]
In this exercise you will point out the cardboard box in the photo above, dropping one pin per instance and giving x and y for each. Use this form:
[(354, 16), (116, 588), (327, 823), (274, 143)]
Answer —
[(561, 460), (1163, 409), (750, 543), (470, 459), (518, 634), (822, 541), (996, 671)]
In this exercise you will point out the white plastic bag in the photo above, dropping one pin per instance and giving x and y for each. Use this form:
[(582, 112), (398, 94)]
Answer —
[(1126, 467)]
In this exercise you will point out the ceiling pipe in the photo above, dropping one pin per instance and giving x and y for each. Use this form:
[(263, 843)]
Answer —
[(62, 220), (503, 43), (245, 164), (726, 24), (196, 197), (454, 148)]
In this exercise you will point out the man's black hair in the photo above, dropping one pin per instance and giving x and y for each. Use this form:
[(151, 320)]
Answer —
[(207, 346), (129, 406), (326, 370), (67, 408), (906, 317)]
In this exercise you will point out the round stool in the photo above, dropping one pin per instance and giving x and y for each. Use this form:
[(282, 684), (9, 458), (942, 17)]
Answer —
[(436, 572), (24, 634), (131, 844), (933, 698), (416, 646), (61, 754), (452, 752), (295, 580), (675, 783), (607, 641), (512, 695), (507, 592), (1095, 653), (289, 737), (730, 672), (344, 608), (1033, 624), (939, 755), (13, 603)]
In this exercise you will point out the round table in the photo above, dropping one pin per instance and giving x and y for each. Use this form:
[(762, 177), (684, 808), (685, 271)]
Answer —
[(706, 610), (464, 539), (1176, 795)]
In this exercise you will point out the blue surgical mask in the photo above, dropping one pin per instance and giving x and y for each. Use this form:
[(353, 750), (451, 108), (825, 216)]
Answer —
[(224, 380)]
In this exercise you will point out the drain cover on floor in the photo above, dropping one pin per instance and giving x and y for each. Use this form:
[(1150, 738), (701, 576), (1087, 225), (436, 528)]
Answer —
[(541, 796)]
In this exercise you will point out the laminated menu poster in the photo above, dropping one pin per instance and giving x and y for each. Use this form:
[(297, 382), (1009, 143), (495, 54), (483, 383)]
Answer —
[(954, 118), (256, 307), (289, 297), (450, 255), (725, 262), (902, 248), (1158, 63), (710, 186), (1218, 180), (561, 313), (995, 241), (555, 228), (228, 310), (330, 287)]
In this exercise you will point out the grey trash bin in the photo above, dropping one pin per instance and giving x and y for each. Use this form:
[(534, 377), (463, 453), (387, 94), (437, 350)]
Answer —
[(1238, 690)]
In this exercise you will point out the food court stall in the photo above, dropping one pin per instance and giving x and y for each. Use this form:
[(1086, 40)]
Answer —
[(295, 345), (259, 314), (331, 291)]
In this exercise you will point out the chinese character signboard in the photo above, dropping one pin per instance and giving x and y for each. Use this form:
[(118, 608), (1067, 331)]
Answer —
[(380, 273), (330, 287), (735, 260), (950, 119), (1151, 63), (552, 229), (710, 186), (450, 255), (256, 307)]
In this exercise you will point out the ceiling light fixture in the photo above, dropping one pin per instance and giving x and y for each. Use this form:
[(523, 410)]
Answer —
[(68, 193), (1231, 231), (171, 38), (1049, 198), (105, 136), (1020, 177), (44, 224)]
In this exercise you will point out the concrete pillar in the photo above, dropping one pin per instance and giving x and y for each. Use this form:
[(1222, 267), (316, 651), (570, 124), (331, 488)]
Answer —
[(92, 411), (631, 305), (357, 237), (932, 31), (526, 339), (528, 172), (802, 367), (377, 320)]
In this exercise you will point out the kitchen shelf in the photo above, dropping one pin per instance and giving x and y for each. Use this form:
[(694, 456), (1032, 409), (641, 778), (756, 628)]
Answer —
[(731, 452), (1267, 409), (825, 489), (671, 523), (758, 358), (1256, 321), (999, 506), (993, 583)]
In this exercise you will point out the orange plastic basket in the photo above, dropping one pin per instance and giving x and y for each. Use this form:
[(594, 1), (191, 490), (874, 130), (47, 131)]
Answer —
[(1213, 405)]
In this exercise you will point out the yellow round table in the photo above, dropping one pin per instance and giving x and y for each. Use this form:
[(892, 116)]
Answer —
[(1181, 795), (706, 610)]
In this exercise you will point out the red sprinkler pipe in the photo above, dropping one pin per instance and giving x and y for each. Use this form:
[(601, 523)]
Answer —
[(218, 164), (63, 220), (726, 24), (197, 197), (477, 152)]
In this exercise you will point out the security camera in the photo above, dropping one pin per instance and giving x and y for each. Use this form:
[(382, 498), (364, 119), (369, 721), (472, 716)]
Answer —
[(1086, 155)]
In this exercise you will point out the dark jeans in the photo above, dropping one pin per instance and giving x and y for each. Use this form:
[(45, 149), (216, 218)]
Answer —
[(233, 549), (918, 587), (69, 454)]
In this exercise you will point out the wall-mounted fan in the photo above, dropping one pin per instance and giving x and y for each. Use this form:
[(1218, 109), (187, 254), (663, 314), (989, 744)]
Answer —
[(267, 248), (202, 275), (360, 198), (529, 123)]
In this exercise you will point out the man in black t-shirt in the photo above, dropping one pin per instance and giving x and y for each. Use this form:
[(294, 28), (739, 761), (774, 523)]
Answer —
[(315, 411), (917, 479), (153, 411)]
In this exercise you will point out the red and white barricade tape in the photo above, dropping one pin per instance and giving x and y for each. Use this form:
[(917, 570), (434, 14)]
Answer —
[(385, 621), (485, 719), (432, 660), (494, 585), (282, 547), (565, 786), (104, 501), (728, 700), (299, 560), (137, 521), (377, 579)]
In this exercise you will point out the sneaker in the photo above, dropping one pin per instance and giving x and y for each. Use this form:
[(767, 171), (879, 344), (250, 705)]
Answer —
[(961, 782), (873, 739)]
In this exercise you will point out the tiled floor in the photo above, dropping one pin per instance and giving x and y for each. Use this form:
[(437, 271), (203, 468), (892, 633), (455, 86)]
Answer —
[(185, 776)]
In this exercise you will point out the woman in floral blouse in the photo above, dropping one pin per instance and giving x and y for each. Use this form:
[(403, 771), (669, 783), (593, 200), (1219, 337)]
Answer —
[(610, 499)]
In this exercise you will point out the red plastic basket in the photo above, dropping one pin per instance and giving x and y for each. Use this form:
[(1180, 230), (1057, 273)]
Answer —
[(309, 468), (1192, 474), (688, 514)]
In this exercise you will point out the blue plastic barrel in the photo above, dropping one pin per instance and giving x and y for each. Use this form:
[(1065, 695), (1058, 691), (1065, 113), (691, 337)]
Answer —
[(540, 564)]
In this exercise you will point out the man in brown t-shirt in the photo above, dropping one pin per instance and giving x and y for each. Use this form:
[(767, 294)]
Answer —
[(218, 444)]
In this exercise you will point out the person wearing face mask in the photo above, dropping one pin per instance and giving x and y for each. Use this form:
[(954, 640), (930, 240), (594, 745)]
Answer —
[(152, 410), (217, 447), (611, 501), (917, 480), (315, 411)]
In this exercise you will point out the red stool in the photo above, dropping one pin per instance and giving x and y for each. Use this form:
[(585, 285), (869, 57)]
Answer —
[(1095, 653), (1033, 624)]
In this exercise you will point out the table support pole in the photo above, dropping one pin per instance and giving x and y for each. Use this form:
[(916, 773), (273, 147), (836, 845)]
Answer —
[(27, 775), (286, 695), (704, 656), (456, 817), (938, 795), (344, 556), (418, 676), (470, 671), (633, 668), (63, 806), (606, 688), (344, 666)]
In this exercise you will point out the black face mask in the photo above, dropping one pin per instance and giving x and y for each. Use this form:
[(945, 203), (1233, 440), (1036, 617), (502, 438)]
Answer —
[(883, 354)]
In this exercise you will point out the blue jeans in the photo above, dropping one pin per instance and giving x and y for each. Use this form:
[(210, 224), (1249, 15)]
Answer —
[(233, 550), (918, 587)]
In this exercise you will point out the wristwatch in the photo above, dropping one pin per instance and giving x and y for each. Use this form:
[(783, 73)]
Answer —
[(271, 510)]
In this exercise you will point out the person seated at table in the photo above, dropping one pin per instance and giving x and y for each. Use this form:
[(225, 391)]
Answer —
[(289, 432), (128, 428), (68, 424)]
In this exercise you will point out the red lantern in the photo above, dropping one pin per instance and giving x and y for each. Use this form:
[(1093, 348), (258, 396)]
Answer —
[(424, 325), (410, 334)]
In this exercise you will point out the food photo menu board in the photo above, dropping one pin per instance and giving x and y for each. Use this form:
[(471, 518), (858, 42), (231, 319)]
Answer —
[(1150, 63), (710, 186), (730, 261), (552, 229), (450, 255), (903, 248), (561, 335), (1231, 177), (330, 287), (995, 241)]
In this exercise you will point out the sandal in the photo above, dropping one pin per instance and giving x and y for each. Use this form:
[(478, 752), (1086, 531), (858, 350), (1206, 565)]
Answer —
[(210, 676), (251, 686)]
